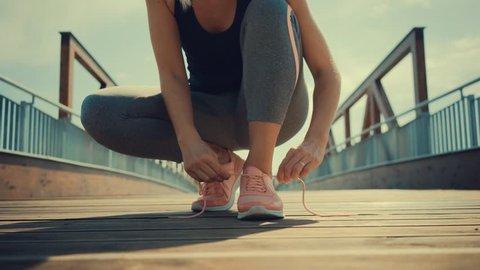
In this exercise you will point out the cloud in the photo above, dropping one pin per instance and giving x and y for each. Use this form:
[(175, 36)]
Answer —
[(379, 8), (454, 62), (121, 75), (468, 46), (28, 27), (420, 3), (370, 8), (373, 9)]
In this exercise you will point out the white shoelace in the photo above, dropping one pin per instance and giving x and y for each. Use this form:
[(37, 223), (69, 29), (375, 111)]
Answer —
[(254, 184)]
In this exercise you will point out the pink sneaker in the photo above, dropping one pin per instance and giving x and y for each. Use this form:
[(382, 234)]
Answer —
[(220, 196), (258, 199)]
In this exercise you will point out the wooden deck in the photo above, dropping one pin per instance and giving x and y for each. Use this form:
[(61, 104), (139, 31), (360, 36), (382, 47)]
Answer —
[(387, 229)]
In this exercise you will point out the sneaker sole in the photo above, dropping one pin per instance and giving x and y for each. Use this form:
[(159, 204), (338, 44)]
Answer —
[(227, 206), (260, 212)]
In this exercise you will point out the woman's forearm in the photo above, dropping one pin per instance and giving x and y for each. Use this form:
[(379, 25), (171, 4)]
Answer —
[(178, 101), (166, 46), (326, 96)]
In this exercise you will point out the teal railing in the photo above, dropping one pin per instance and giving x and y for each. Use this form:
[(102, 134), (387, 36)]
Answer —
[(27, 130), (454, 127)]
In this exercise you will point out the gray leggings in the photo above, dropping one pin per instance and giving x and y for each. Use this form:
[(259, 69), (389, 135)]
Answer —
[(134, 120)]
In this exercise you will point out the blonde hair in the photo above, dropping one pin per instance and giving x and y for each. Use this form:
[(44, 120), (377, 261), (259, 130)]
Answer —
[(186, 4)]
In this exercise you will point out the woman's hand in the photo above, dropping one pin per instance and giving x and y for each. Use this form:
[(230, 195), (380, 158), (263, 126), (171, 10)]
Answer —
[(201, 162), (310, 153)]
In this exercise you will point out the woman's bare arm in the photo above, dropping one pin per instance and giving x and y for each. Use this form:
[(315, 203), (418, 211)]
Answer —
[(200, 161), (326, 96), (171, 69), (327, 79)]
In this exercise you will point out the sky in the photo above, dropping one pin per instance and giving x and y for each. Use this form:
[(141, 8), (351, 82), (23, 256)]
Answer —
[(359, 33)]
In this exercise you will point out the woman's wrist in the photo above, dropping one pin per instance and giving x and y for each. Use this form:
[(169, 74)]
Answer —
[(187, 137), (320, 140)]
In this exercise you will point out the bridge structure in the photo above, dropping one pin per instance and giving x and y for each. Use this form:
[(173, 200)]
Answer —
[(434, 147), (401, 193), (59, 158)]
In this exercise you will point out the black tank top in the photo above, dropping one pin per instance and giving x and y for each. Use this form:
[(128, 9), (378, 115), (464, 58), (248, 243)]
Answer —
[(214, 61)]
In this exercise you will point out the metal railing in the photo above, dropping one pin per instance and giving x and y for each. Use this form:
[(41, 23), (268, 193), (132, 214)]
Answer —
[(454, 127), (26, 129)]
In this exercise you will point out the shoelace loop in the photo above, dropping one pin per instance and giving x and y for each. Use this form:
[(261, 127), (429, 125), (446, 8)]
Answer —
[(202, 190)]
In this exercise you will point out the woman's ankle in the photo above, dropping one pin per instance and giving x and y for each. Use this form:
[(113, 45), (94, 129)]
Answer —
[(265, 168)]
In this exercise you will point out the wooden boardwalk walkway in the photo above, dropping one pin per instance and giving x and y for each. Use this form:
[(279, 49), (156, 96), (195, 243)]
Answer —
[(388, 229)]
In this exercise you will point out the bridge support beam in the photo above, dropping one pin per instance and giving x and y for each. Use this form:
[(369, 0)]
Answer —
[(71, 50), (378, 102)]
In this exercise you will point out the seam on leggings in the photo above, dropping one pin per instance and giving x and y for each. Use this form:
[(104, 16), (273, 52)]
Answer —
[(294, 44)]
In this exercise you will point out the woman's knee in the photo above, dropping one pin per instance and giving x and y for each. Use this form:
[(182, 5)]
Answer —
[(270, 31), (92, 112)]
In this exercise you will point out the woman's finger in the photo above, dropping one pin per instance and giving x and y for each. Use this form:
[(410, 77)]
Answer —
[(292, 163), (299, 167), (308, 168), (194, 175), (220, 173), (281, 168), (214, 171), (202, 175), (280, 173), (212, 175)]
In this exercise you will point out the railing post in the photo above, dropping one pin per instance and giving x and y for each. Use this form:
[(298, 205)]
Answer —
[(25, 112), (473, 120), (347, 128), (2, 129), (110, 159), (422, 132)]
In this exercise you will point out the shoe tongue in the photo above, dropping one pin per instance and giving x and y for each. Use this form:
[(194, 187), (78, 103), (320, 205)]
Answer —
[(252, 170)]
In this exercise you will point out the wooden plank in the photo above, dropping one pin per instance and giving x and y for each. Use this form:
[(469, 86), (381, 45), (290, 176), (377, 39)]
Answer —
[(433, 260), (166, 213), (390, 229), (206, 220), (290, 231), (206, 224), (325, 205), (277, 244), (358, 197), (290, 207), (334, 196)]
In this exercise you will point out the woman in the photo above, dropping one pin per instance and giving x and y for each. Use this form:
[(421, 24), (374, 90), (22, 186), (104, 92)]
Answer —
[(245, 90)]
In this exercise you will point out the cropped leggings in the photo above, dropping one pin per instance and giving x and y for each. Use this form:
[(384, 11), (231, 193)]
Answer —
[(135, 121)]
